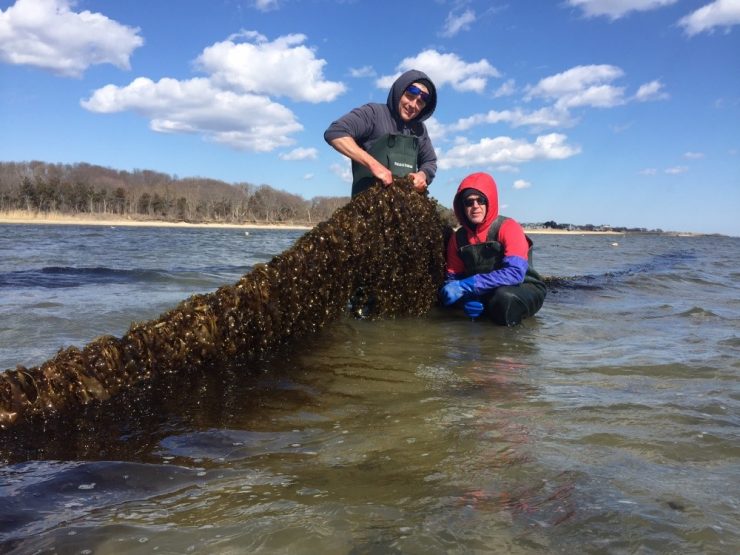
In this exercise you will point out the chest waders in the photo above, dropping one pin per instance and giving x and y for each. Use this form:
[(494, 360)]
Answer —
[(482, 258), (398, 153)]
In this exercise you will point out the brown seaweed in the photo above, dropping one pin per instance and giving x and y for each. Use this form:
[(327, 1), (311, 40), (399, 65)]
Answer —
[(382, 254)]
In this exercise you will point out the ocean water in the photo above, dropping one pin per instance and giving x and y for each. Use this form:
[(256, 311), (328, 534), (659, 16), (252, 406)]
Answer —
[(609, 423)]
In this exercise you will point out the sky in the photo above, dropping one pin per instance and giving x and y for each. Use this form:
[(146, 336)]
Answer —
[(603, 112)]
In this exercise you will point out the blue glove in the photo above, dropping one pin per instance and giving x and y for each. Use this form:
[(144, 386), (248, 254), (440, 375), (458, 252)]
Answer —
[(455, 290), (473, 309)]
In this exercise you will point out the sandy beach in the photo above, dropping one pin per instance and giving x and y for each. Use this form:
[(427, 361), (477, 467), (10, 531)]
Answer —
[(22, 217)]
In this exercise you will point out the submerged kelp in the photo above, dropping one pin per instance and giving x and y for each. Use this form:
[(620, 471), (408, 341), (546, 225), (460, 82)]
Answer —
[(382, 255)]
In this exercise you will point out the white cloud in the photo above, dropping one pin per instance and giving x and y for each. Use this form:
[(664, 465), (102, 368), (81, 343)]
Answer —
[(232, 105), (581, 86), (505, 150), (308, 176), (693, 155), (720, 13), (343, 171), (522, 184), (446, 69), (648, 171), (457, 22), (621, 127), (616, 9), (364, 71), (240, 120), (300, 154), (724, 103), (543, 118), (266, 5), (282, 67), (507, 89), (651, 91), (49, 35), (676, 170), (436, 130)]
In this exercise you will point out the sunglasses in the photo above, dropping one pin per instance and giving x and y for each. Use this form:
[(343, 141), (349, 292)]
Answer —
[(416, 91), (468, 202)]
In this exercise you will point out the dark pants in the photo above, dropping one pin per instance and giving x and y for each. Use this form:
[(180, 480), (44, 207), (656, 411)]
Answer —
[(510, 304)]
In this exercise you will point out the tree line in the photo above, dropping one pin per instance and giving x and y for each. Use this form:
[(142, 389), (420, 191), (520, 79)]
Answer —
[(72, 189), (590, 227)]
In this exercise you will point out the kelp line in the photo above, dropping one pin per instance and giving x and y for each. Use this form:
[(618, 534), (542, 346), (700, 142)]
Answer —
[(384, 252)]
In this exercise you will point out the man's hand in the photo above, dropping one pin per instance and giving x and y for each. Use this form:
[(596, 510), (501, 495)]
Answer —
[(420, 181), (457, 289), (382, 173), (473, 309)]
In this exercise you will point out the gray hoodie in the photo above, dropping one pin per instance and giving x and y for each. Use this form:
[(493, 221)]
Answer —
[(369, 122)]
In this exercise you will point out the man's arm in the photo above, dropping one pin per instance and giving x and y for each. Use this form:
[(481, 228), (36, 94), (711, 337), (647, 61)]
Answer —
[(349, 147), (427, 162), (346, 134), (515, 265)]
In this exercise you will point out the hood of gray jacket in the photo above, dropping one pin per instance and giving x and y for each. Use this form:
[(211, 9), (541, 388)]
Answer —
[(400, 85)]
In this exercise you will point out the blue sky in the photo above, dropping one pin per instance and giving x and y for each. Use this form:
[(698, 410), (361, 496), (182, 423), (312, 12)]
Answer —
[(620, 112)]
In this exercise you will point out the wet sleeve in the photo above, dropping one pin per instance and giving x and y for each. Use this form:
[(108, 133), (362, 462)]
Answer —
[(357, 124), (512, 273), (515, 265)]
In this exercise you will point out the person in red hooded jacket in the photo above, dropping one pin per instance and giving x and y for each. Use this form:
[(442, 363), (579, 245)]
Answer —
[(489, 267)]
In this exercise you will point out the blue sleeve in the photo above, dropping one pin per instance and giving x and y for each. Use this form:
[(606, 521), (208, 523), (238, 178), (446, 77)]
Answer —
[(512, 273)]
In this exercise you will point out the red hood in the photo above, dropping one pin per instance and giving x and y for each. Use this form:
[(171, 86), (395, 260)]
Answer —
[(486, 185)]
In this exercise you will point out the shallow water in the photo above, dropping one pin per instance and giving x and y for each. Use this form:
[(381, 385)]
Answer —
[(606, 424)]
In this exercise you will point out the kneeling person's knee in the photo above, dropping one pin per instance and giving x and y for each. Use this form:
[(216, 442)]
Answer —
[(506, 308)]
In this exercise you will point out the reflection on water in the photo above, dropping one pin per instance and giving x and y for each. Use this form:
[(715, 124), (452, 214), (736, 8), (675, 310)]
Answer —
[(358, 442)]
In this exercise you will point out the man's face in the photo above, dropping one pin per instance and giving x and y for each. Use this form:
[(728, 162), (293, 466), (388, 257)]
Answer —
[(475, 208), (412, 104)]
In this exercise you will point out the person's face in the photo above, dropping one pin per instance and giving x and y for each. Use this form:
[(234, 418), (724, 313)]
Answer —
[(475, 210), (412, 103)]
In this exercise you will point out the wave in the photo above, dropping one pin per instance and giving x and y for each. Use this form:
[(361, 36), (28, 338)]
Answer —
[(53, 277), (659, 266), (697, 312)]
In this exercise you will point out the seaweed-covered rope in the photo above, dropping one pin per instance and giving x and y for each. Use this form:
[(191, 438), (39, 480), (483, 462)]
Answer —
[(385, 248)]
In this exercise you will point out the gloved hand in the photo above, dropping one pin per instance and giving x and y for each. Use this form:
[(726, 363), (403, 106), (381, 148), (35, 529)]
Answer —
[(473, 309), (454, 290)]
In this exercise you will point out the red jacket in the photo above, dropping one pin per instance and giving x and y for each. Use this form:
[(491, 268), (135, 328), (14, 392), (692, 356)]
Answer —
[(511, 236)]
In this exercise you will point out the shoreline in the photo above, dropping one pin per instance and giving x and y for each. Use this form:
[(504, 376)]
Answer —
[(26, 218)]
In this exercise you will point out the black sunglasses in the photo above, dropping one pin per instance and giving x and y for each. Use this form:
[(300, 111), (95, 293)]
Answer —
[(468, 202), (416, 91)]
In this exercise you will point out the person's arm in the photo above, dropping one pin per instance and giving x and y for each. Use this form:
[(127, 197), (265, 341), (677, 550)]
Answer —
[(427, 163), (349, 147), (455, 268), (515, 265), (347, 133), (511, 273), (454, 288)]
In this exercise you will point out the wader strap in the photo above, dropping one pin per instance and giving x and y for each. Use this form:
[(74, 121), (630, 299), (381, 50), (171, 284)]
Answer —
[(462, 235), (532, 275), (399, 153)]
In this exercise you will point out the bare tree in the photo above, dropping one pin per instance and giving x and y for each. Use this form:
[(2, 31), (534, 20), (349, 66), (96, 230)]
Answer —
[(85, 188)]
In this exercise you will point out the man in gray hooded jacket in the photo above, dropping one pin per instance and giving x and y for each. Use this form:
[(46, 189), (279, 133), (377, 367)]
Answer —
[(387, 140)]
